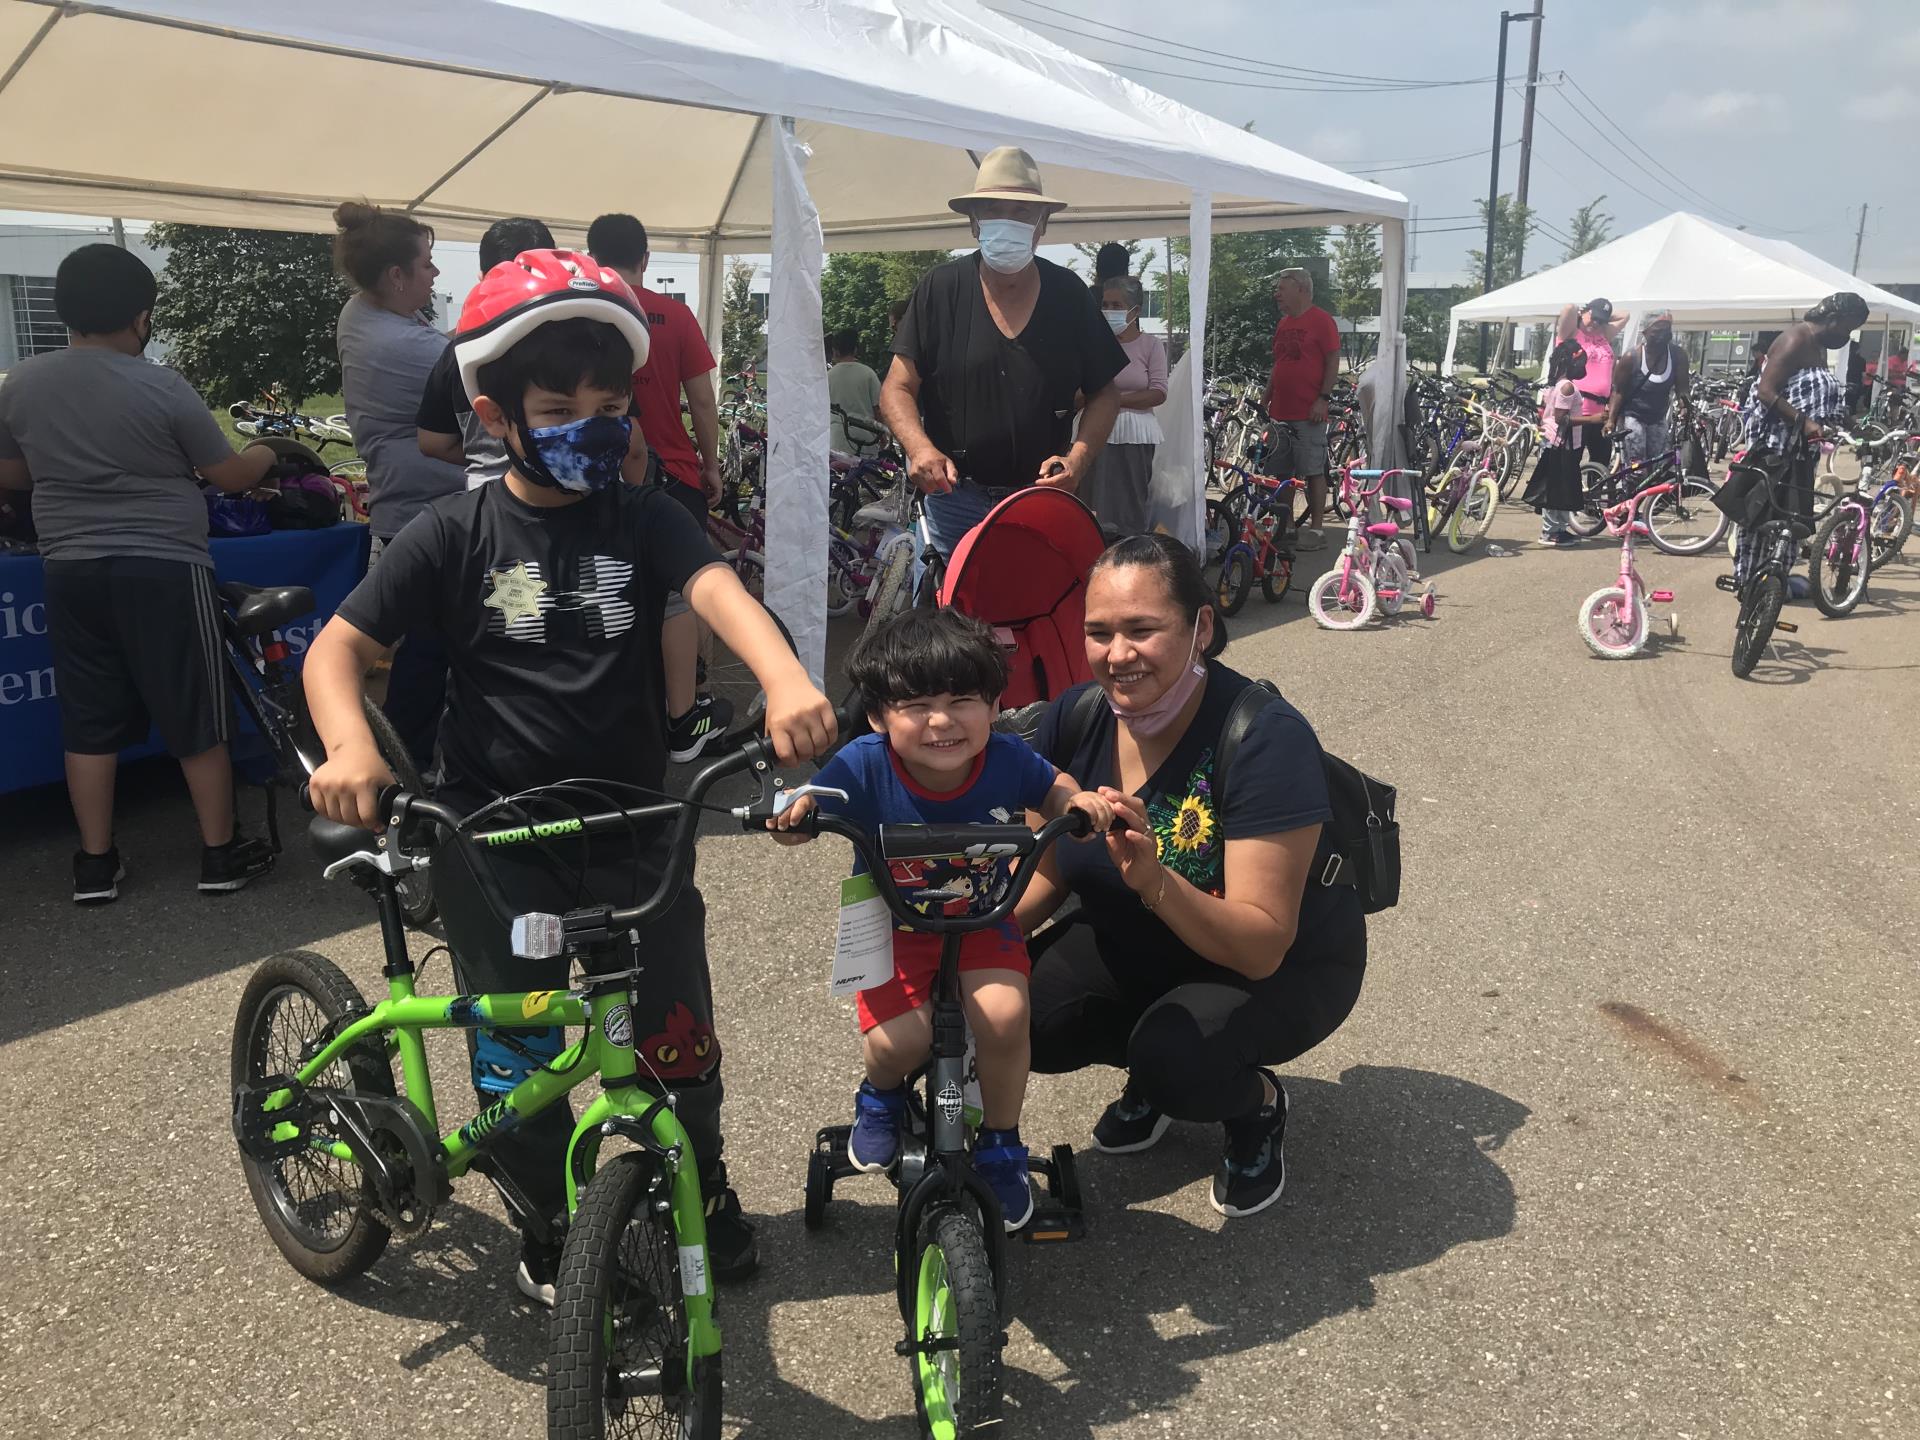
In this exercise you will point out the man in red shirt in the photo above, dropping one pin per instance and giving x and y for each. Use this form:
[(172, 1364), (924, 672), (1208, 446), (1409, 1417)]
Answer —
[(688, 466), (1306, 359)]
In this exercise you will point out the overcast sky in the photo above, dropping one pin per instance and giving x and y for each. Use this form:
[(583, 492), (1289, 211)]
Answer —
[(1784, 115)]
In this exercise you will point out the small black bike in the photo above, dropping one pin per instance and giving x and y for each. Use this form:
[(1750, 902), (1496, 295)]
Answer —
[(1762, 583)]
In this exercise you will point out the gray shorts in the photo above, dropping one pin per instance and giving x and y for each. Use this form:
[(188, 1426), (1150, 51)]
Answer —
[(1302, 454), (695, 503), (1645, 441)]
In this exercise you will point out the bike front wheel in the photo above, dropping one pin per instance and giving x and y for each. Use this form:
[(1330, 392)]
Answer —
[(956, 1319), (1588, 521), (1473, 517), (1837, 567), (1236, 579), (1614, 623), (620, 1361), (1759, 609), (1686, 521), (1341, 603), (1891, 523), (321, 1211)]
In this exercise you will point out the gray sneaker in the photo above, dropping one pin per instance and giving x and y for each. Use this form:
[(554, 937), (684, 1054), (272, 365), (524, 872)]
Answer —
[(1308, 538)]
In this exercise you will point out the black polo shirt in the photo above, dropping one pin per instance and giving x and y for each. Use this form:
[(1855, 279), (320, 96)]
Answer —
[(998, 407)]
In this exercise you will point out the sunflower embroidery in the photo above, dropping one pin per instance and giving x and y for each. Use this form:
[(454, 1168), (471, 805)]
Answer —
[(1187, 832)]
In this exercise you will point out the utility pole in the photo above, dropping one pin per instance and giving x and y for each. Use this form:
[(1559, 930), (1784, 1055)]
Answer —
[(1507, 17), (1859, 238), (1526, 117), (119, 232)]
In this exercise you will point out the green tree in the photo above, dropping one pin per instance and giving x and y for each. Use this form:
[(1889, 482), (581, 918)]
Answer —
[(1427, 321), (1241, 311), (1513, 227), (247, 310), (1356, 273), (857, 287), (743, 332), (1589, 229)]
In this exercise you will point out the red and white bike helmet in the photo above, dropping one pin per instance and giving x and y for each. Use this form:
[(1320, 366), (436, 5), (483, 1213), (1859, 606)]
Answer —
[(536, 286)]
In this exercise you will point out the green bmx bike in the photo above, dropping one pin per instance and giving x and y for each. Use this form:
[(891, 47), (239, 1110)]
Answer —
[(950, 1245), (338, 1162)]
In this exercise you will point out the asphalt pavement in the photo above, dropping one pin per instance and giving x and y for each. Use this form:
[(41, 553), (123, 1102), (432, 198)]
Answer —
[(1620, 1140)]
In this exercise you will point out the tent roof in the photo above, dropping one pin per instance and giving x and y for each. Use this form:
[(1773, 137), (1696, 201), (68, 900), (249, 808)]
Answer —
[(268, 112), (1707, 274)]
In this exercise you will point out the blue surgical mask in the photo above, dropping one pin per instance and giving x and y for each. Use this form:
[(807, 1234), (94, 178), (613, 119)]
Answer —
[(1118, 320), (582, 457), (1006, 245)]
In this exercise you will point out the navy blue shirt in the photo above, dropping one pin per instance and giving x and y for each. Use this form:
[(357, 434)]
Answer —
[(1007, 780), (1278, 784)]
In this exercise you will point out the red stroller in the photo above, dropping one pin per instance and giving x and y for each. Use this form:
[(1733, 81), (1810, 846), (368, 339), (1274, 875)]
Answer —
[(1023, 570)]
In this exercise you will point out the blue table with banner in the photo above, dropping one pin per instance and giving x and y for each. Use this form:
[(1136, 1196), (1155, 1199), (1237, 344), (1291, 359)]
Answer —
[(329, 562)]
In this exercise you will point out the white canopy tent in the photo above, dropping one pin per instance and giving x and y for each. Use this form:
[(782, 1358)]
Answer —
[(730, 126), (1705, 273)]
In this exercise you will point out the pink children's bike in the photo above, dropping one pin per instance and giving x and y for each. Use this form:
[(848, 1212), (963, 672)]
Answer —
[(1614, 621), (1376, 567)]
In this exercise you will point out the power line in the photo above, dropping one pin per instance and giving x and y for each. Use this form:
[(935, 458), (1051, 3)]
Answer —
[(1618, 129), (1272, 67), (1122, 63), (1541, 114), (1423, 164)]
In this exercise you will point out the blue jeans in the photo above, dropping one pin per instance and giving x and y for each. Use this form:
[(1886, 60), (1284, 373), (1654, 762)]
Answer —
[(949, 518)]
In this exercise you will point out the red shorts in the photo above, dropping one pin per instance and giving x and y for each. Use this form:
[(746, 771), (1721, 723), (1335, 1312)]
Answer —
[(916, 961)]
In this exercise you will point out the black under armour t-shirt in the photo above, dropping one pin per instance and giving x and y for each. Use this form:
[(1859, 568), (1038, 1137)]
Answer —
[(551, 619)]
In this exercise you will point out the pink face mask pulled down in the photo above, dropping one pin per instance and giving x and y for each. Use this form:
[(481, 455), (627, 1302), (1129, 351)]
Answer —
[(1155, 718)]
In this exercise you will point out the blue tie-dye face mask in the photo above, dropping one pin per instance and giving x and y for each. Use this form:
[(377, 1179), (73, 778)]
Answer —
[(582, 457)]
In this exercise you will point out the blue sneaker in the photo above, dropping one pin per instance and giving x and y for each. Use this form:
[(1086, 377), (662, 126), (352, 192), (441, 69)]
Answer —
[(874, 1143), (1001, 1160)]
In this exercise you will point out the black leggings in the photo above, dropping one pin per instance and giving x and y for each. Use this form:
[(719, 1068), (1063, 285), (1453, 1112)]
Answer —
[(1190, 1049)]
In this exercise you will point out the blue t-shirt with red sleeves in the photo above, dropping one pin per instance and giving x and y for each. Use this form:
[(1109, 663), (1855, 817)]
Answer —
[(1007, 780)]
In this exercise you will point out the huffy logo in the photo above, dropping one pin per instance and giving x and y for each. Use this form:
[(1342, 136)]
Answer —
[(949, 1100)]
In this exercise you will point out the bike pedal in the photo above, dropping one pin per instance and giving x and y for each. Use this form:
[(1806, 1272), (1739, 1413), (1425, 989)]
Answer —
[(1661, 597), (1786, 625), (1054, 1225), (1726, 583)]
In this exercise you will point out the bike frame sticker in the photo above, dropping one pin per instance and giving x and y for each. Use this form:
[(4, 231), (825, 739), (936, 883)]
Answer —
[(693, 1270), (536, 1003), (618, 1026), (950, 1101)]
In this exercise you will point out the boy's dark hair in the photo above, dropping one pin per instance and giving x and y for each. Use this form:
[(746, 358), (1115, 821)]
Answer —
[(1179, 570), (844, 342), (927, 652), (100, 289), (507, 238), (561, 356), (617, 240), (372, 241)]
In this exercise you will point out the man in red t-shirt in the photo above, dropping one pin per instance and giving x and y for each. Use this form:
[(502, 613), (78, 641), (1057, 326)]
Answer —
[(678, 362), (1306, 359)]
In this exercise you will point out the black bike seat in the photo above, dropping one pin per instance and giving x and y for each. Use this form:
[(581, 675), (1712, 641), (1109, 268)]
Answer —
[(260, 608), (333, 841)]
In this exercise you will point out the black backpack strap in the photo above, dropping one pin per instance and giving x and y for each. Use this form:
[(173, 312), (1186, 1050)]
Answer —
[(1075, 726), (1247, 704)]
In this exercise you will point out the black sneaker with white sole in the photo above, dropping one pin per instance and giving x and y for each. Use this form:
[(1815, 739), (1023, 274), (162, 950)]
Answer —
[(1129, 1125), (732, 1249), (539, 1268), (232, 865), (693, 732), (1253, 1168), (96, 878)]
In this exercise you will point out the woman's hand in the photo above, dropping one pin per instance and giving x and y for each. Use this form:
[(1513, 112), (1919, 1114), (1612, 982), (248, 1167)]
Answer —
[(1134, 851)]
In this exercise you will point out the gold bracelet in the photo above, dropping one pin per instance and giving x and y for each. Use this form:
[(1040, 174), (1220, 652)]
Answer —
[(1154, 904)]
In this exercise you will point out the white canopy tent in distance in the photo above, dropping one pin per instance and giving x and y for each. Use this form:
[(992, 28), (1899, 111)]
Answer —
[(1705, 273), (729, 126)]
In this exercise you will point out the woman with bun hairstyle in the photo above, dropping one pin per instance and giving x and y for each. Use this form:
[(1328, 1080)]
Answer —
[(387, 352)]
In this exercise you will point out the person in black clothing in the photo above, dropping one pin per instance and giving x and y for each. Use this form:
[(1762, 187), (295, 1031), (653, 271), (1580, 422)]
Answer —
[(446, 427), (987, 361), (548, 590), (1207, 947)]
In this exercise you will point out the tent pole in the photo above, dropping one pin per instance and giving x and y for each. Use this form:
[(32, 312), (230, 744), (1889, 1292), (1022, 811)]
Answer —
[(797, 409), (1199, 279)]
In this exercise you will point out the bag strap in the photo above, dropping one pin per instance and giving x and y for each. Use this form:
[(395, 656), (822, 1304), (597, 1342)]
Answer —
[(1247, 704), (1076, 725)]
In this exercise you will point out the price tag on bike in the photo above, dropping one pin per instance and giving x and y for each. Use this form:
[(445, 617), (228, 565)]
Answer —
[(863, 947)]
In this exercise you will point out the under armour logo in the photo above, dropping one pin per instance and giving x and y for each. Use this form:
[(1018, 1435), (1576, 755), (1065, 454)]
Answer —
[(595, 610)]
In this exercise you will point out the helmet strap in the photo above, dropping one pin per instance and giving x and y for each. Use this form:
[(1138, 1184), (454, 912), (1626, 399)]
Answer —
[(528, 460)]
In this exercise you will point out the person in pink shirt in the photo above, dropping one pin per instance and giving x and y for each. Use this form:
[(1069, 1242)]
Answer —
[(1595, 328), (1116, 490)]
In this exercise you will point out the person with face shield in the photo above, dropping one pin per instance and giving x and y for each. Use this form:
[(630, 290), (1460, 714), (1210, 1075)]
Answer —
[(1116, 490), (108, 444), (989, 356)]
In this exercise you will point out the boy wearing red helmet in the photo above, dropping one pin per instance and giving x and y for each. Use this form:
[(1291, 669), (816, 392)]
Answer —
[(549, 589)]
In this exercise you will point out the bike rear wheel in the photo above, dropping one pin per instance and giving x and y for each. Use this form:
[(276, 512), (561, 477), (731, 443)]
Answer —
[(956, 1387), (1473, 517), (320, 1210), (619, 1362), (1837, 567), (1587, 519), (1686, 521), (1278, 577), (1334, 612), (1890, 525), (1758, 611), (1614, 624)]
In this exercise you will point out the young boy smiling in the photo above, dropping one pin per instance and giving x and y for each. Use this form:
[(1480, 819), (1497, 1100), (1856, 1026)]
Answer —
[(549, 589), (930, 681)]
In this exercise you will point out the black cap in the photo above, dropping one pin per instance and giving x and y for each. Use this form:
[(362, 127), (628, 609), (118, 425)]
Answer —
[(1601, 310)]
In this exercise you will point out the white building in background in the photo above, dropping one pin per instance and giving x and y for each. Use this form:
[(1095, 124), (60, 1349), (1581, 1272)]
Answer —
[(30, 254)]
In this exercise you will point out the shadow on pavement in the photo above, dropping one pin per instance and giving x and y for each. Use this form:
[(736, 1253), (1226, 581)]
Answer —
[(1388, 1170)]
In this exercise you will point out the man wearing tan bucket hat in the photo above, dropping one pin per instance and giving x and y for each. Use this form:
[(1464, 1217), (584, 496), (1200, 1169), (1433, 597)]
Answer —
[(990, 355)]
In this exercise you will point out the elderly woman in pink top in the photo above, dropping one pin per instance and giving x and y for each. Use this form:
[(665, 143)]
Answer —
[(1116, 489), (1595, 328)]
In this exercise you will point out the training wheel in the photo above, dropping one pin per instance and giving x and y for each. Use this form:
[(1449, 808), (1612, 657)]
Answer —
[(1427, 603), (819, 1189), (1673, 622)]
